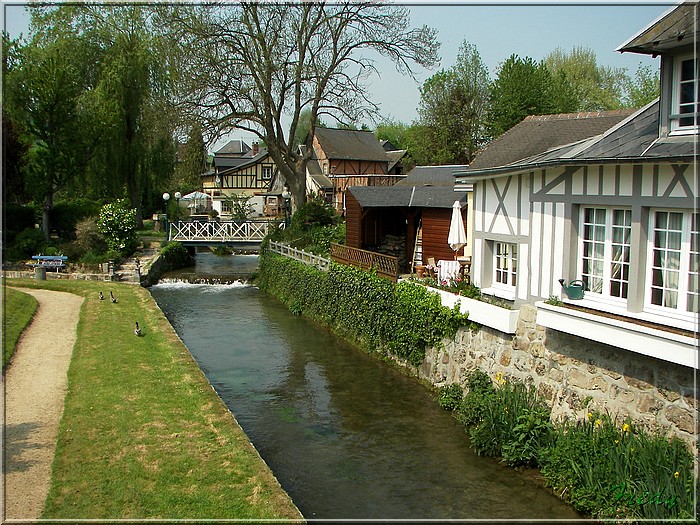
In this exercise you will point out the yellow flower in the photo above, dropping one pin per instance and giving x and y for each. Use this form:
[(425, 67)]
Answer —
[(498, 377), (617, 441), (590, 416), (676, 474), (625, 428), (598, 422)]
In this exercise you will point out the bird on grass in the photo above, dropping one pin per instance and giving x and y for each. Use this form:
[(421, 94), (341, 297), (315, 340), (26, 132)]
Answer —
[(137, 330), (102, 297), (111, 297)]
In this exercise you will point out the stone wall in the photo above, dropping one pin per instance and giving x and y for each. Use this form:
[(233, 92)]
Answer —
[(566, 370)]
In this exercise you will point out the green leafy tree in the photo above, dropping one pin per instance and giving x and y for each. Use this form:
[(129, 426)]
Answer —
[(56, 107), (240, 206), (643, 88), (522, 87), (258, 66), (117, 222), (586, 86), (192, 161), (453, 106)]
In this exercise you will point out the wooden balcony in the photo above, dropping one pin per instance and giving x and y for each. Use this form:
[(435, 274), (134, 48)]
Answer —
[(385, 265)]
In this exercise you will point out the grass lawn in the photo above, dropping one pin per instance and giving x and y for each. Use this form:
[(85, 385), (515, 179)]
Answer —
[(18, 309), (143, 435)]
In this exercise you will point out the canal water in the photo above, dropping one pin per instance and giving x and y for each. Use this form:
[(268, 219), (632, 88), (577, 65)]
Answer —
[(346, 435)]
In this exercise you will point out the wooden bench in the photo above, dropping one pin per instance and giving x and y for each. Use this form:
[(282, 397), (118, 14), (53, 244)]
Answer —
[(56, 262)]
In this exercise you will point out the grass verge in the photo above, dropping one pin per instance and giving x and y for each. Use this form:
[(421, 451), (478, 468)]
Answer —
[(143, 435), (18, 309)]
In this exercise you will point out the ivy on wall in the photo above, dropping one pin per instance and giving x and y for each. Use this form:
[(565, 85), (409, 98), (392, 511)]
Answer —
[(402, 319)]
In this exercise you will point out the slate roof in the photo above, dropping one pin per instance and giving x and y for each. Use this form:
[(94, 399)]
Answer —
[(406, 196), (345, 144), (233, 147), (632, 140), (539, 133), (441, 176), (244, 162), (672, 29)]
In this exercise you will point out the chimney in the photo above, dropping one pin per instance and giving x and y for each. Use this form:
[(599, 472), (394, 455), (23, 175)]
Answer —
[(256, 148)]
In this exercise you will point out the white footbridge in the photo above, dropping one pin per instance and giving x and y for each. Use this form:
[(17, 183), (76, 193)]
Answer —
[(242, 234)]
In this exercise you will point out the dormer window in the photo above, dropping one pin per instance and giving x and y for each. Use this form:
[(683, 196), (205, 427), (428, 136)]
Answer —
[(684, 112)]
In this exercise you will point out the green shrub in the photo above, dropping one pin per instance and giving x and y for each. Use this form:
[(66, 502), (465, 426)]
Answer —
[(17, 218), (65, 216), (117, 222), (450, 396), (28, 242), (402, 319)]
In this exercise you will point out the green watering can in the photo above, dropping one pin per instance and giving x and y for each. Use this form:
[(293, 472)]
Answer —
[(574, 290)]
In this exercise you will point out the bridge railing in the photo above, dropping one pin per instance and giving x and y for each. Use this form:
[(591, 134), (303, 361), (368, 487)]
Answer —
[(250, 231), (300, 255)]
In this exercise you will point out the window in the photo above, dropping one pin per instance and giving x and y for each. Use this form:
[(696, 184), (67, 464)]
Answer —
[(674, 267), (505, 264), (226, 206), (266, 173), (605, 261), (685, 95)]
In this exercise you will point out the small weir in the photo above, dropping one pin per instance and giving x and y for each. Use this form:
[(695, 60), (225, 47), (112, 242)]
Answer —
[(346, 435)]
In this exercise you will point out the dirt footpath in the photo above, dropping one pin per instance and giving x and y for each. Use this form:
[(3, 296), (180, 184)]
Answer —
[(34, 388)]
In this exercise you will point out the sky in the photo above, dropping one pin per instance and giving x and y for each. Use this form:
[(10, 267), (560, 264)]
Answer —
[(497, 29)]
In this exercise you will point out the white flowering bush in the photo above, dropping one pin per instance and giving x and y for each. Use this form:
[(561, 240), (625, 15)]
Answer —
[(117, 222)]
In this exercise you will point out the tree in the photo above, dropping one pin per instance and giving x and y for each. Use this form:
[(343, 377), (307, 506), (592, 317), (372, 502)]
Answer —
[(590, 87), (257, 66), (454, 105), (522, 87), (52, 100), (129, 85), (644, 88), (192, 161)]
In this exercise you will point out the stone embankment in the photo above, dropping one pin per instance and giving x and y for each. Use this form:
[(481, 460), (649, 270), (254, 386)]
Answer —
[(569, 371)]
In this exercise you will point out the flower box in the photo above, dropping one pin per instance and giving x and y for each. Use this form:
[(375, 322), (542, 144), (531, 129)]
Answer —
[(646, 340), (481, 312)]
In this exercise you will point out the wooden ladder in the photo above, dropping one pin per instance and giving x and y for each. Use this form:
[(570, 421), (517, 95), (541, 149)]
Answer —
[(418, 248)]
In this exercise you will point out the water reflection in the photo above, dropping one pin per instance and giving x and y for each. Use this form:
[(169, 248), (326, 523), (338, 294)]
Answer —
[(346, 435)]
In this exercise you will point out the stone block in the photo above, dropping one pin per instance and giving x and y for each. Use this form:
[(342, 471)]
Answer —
[(598, 383), (611, 373), (577, 378), (648, 404), (621, 395), (540, 369), (556, 375), (520, 343), (528, 314), (505, 357), (682, 418), (537, 349)]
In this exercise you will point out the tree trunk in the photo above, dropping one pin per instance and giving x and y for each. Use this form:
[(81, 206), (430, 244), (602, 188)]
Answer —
[(45, 218)]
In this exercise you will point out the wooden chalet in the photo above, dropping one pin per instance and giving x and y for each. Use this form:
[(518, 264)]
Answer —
[(409, 220)]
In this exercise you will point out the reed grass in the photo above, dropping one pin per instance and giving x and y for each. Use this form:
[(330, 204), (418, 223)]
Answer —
[(143, 434)]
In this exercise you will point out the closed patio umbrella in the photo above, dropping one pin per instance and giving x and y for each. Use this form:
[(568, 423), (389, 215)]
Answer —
[(457, 237)]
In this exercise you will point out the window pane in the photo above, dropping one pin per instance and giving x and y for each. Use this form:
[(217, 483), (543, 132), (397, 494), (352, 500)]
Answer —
[(688, 69)]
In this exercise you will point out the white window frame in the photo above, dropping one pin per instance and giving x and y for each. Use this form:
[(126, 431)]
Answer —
[(505, 276), (675, 127), (266, 172), (606, 276), (685, 269)]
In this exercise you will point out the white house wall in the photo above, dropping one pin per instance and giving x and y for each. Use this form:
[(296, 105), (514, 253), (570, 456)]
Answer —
[(539, 211)]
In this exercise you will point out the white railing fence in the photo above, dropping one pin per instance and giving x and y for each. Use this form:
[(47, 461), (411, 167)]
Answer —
[(300, 255), (251, 230)]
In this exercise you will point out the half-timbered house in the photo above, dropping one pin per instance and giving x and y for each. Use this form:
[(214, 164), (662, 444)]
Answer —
[(613, 208), (250, 175), (349, 158)]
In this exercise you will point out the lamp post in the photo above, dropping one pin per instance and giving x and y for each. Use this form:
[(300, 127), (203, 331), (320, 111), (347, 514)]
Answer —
[(178, 195), (287, 196), (166, 198)]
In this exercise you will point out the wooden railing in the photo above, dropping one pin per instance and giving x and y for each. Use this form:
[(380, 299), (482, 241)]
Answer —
[(385, 265), (300, 255)]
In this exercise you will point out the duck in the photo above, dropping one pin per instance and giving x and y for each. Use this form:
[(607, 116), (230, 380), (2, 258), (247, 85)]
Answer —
[(112, 298), (102, 297), (137, 330)]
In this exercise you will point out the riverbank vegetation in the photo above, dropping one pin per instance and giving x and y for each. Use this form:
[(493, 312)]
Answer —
[(604, 468), (143, 434), (374, 313), (18, 310)]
